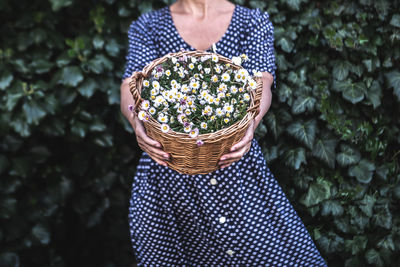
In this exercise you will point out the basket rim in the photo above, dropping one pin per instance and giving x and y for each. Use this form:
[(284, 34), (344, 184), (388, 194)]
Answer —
[(209, 137)]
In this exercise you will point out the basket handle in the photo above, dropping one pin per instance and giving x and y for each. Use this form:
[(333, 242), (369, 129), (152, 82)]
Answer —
[(134, 88), (257, 97)]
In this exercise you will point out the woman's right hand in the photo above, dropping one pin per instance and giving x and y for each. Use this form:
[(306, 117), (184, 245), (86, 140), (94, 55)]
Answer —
[(146, 143)]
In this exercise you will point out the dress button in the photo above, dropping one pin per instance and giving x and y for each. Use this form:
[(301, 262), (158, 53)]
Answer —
[(213, 181), (230, 252), (222, 219)]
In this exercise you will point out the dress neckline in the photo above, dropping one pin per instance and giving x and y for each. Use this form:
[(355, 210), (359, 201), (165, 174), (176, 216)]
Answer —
[(228, 30)]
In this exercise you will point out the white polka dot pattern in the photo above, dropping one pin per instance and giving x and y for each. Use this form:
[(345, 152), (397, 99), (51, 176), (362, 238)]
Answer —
[(237, 216)]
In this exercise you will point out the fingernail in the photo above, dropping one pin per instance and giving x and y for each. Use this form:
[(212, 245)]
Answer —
[(223, 158), (166, 156)]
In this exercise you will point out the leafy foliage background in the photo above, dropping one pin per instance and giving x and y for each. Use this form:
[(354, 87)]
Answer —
[(67, 157)]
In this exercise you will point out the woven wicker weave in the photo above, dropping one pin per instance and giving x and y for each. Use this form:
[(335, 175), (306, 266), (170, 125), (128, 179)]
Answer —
[(186, 156)]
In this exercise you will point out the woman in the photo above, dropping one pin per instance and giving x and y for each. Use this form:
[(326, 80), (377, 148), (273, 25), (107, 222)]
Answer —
[(238, 214)]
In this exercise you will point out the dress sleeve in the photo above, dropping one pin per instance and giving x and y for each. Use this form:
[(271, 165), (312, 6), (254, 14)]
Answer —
[(141, 47), (259, 44)]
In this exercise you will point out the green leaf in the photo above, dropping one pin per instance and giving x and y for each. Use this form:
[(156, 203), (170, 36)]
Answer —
[(324, 149), (394, 81), (366, 205), (354, 92), (9, 259), (41, 233), (33, 112), (112, 48), (341, 70), (382, 216), (372, 256), (332, 207), (356, 245), (395, 21), (374, 94), (295, 157), (40, 66), (88, 87), (363, 171), (71, 76), (5, 80), (304, 131), (331, 243), (286, 44), (12, 100), (56, 5), (387, 243), (348, 156), (317, 192), (100, 64), (302, 103), (8, 207), (270, 120)]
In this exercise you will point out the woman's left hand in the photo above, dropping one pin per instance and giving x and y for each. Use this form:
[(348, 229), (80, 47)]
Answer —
[(239, 149)]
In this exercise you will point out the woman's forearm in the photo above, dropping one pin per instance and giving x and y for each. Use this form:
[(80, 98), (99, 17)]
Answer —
[(266, 97), (126, 100)]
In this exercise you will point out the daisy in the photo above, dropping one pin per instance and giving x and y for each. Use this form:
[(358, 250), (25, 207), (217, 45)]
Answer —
[(207, 70), (228, 108), (214, 58), (237, 61), (164, 128), (146, 83), (194, 84), (156, 85), (203, 125), (214, 78), (142, 115), (191, 66), (219, 112), (252, 83), (145, 105), (194, 133), (152, 110), (225, 77), (246, 97), (168, 73), (187, 128), (226, 120)]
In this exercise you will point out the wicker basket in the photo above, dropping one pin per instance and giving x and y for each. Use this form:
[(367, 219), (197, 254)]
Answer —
[(186, 156)]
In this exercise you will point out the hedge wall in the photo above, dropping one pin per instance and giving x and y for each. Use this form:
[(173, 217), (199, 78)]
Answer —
[(67, 157)]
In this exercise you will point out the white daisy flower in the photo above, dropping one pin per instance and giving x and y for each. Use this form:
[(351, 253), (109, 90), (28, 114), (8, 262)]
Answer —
[(217, 69), (246, 97), (146, 83), (188, 112), (226, 120), (219, 112), (193, 59), (214, 78), (142, 115), (244, 57), (152, 110), (252, 84), (203, 125), (162, 119), (257, 73), (207, 70), (174, 60), (156, 85), (225, 77), (164, 128), (185, 88), (194, 133), (228, 108), (145, 105), (191, 66), (187, 128), (168, 73), (199, 67), (181, 75), (234, 89), (221, 95), (158, 101), (214, 58), (194, 84), (181, 117)]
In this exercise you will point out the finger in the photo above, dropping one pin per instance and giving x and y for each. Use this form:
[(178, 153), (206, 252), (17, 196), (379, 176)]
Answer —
[(159, 153), (163, 163), (226, 165), (243, 142), (141, 133), (234, 155)]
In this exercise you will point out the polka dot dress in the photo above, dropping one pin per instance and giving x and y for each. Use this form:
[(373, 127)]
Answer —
[(237, 216)]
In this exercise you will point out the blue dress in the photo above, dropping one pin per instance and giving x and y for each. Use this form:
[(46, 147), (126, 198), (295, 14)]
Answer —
[(236, 216)]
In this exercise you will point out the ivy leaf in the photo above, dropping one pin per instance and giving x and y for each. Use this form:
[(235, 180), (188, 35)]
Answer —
[(5, 80), (372, 256), (374, 94), (271, 123), (357, 244), (304, 131), (41, 233), (71, 76), (9, 259), (331, 243), (295, 157), (56, 5), (394, 81), (324, 149), (366, 205), (395, 21), (317, 192), (354, 92), (302, 103), (87, 88), (387, 243), (332, 207), (286, 44), (341, 70), (33, 112), (362, 171), (382, 216), (348, 156)]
